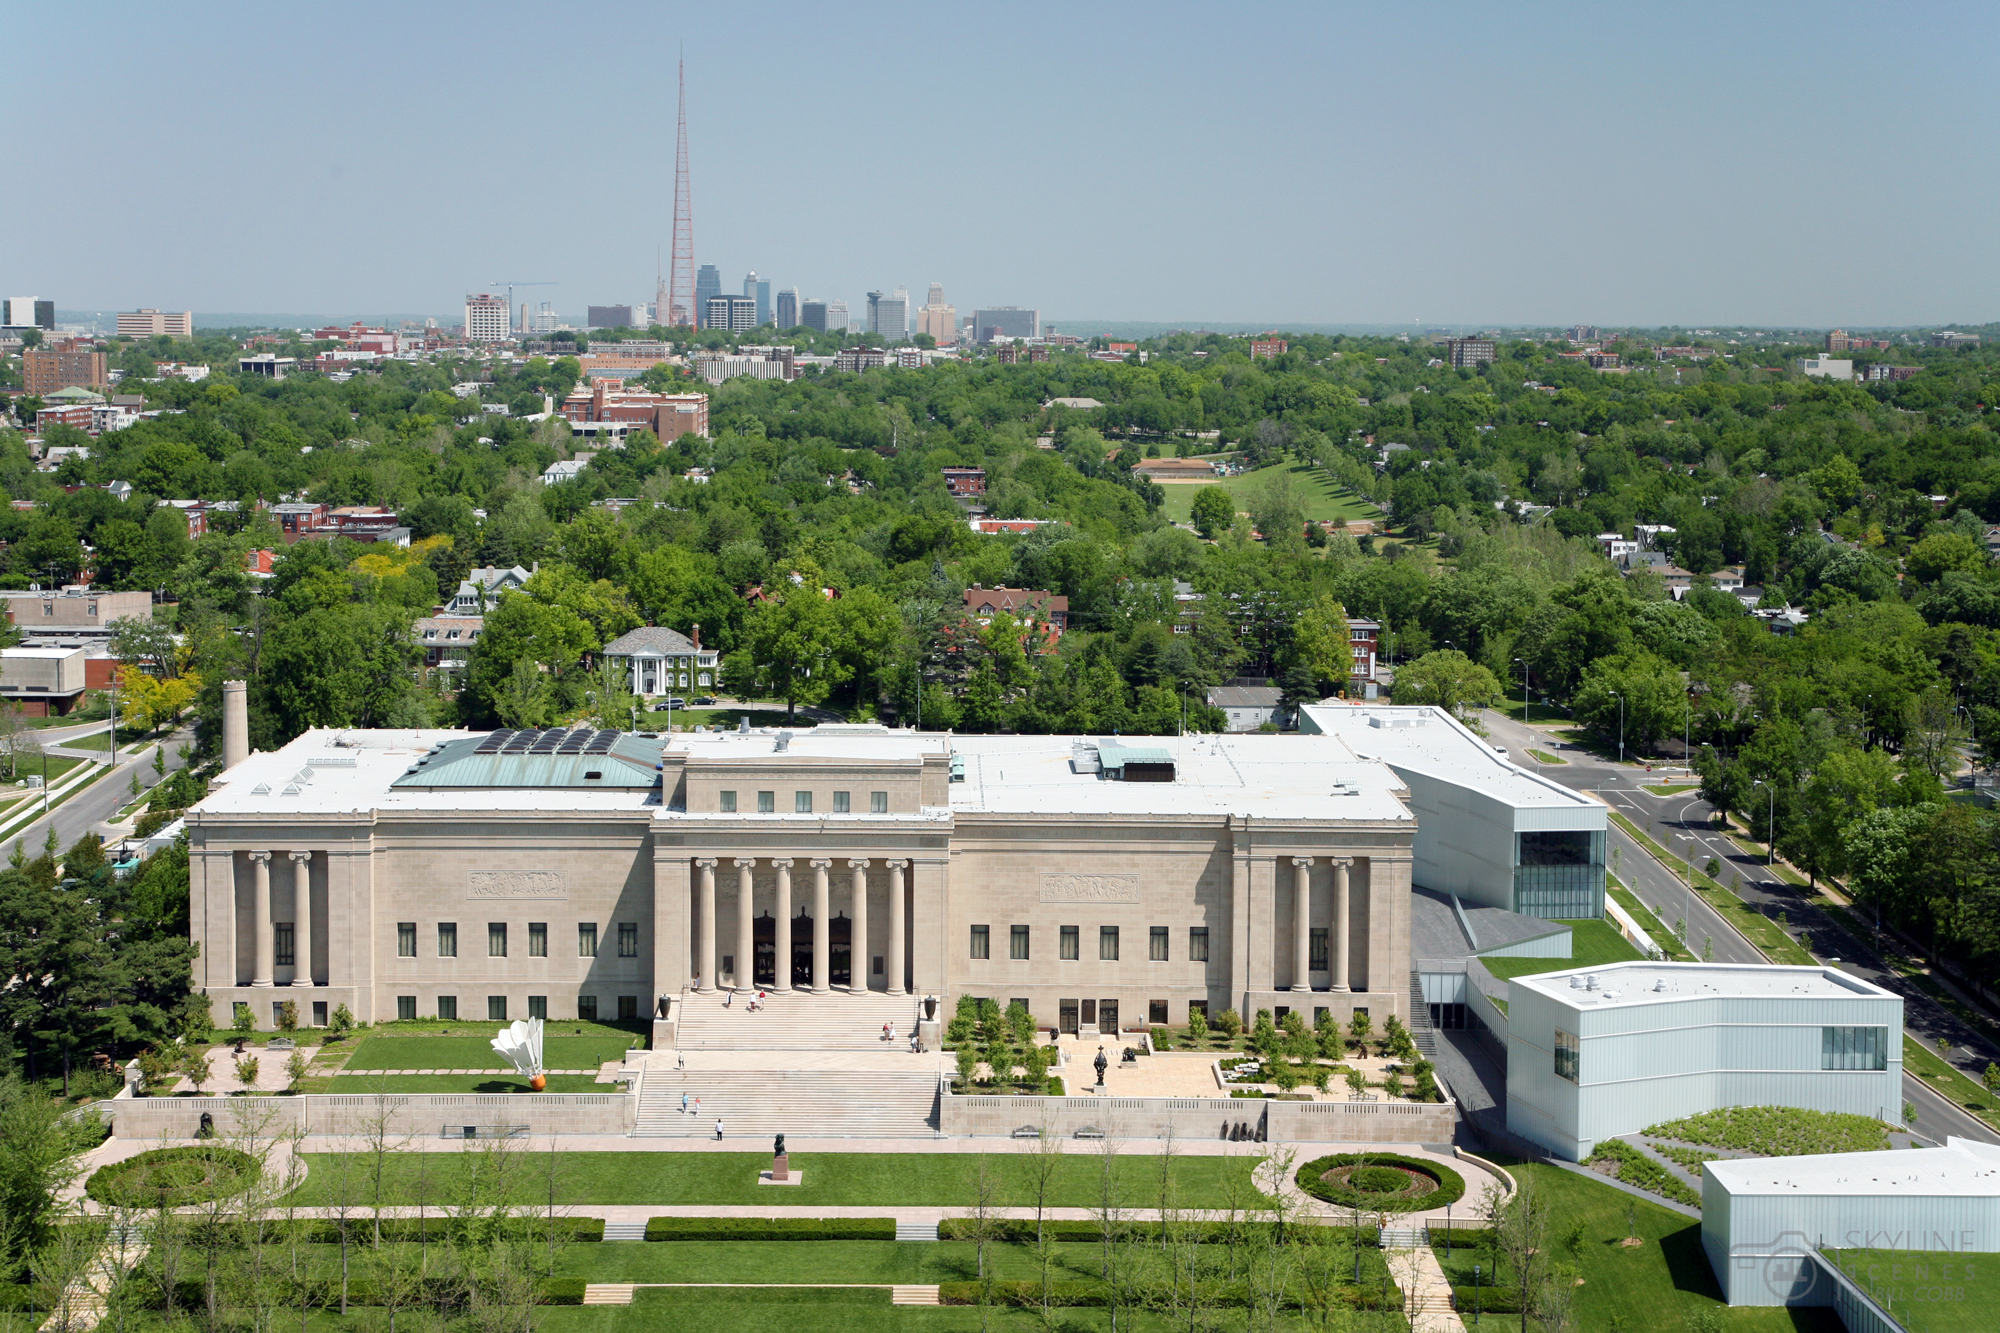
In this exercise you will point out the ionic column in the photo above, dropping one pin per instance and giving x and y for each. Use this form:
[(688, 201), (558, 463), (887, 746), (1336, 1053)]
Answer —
[(822, 927), (264, 965), (746, 939), (302, 930), (781, 976), (857, 968), (1337, 942), (707, 961), (898, 909), (1302, 877)]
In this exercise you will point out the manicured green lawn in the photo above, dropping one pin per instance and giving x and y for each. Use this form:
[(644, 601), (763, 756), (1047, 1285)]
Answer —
[(704, 1176), (469, 1046), (364, 1084), (1654, 928), (1935, 1292), (1321, 497), (1592, 944), (1657, 1287), (1922, 1061), (806, 1310)]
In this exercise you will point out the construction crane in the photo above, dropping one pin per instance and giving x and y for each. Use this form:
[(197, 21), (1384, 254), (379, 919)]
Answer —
[(510, 286)]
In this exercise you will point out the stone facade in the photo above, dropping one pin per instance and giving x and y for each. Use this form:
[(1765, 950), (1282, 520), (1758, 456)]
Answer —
[(474, 871)]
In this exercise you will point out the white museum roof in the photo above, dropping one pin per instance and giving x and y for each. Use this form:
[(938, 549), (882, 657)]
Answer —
[(1431, 742), (1635, 983), (1963, 1168)]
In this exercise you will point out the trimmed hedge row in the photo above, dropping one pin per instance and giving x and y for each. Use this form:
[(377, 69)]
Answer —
[(1487, 1300), (321, 1231), (1028, 1295), (771, 1228), (324, 1293), (1017, 1231), (1450, 1185)]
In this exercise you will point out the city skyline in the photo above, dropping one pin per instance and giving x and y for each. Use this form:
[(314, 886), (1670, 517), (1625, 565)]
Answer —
[(1627, 174)]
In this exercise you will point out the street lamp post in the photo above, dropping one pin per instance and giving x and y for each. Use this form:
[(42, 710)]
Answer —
[(1770, 822), (1621, 726), (1524, 692)]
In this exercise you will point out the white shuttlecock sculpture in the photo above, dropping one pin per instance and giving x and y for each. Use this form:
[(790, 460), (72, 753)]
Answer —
[(521, 1046)]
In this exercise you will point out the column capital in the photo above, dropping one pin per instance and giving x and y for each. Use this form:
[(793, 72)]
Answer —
[(300, 856), (260, 857), (1342, 862), (781, 862), (820, 862), (858, 864), (897, 864), (705, 862), (1302, 861), (744, 862)]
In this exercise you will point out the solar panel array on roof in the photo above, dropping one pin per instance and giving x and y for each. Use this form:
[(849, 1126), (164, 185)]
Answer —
[(492, 744)]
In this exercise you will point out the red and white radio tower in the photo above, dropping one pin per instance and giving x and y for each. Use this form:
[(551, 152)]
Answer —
[(681, 295)]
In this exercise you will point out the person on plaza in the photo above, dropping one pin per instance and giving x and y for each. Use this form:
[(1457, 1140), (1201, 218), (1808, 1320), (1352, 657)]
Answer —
[(892, 1032), (885, 1032), (684, 1103), (718, 1129)]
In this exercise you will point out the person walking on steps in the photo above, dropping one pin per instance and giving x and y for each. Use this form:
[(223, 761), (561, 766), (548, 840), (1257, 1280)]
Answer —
[(684, 1103), (718, 1129)]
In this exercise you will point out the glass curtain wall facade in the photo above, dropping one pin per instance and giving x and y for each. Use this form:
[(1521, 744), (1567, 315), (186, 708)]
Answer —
[(1559, 875)]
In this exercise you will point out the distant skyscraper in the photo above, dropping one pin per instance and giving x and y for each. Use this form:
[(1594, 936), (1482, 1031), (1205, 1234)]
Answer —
[(615, 316), (737, 314), (1006, 321), (812, 314), (487, 318), (150, 323), (889, 315), (27, 312), (759, 290), (836, 316), (938, 319), (788, 309), (707, 283)]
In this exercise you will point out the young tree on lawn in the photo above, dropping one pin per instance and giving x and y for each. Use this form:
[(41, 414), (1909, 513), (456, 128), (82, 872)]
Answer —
[(1520, 1234), (983, 1226)]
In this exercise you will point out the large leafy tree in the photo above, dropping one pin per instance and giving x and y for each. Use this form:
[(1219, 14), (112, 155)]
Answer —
[(1446, 679)]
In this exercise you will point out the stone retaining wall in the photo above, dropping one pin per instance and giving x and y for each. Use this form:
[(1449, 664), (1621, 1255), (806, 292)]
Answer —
[(421, 1114), (1203, 1118)]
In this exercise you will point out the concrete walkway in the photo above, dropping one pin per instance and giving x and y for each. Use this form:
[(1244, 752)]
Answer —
[(1426, 1291)]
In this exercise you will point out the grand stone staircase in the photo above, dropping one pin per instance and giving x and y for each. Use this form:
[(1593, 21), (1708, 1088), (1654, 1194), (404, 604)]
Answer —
[(755, 1104), (796, 1022)]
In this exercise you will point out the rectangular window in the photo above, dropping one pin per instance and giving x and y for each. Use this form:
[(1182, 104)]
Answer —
[(586, 940), (1156, 944), (628, 939), (802, 802), (1569, 1056), (538, 939), (285, 953), (1068, 951), (878, 802), (586, 1008), (628, 1007), (1316, 946), (1854, 1048), (726, 802), (406, 939), (1197, 944), (982, 942), (1017, 942), (496, 939), (406, 1008), (840, 803), (496, 1008), (448, 1006), (767, 802), (1156, 1013), (1197, 1007), (538, 1006), (447, 939), (1107, 944)]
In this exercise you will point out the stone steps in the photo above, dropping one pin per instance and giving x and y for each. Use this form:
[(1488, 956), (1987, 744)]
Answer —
[(757, 1104), (625, 1230), (796, 1022), (916, 1231), (913, 1295), (609, 1293)]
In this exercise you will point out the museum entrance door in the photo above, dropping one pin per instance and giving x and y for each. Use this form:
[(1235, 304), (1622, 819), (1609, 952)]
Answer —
[(764, 968), (802, 951), (840, 950)]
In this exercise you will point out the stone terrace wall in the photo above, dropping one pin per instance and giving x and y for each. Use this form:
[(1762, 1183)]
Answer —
[(1204, 1118), (422, 1114)]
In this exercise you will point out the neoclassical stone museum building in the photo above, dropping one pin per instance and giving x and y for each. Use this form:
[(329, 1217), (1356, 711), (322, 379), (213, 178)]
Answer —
[(581, 873)]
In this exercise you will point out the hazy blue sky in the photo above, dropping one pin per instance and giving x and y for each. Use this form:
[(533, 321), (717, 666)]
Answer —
[(1519, 163)]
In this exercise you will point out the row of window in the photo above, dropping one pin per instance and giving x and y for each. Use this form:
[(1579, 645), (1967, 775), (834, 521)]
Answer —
[(1840, 1048), (802, 802), (496, 939), (1069, 943), (496, 1007)]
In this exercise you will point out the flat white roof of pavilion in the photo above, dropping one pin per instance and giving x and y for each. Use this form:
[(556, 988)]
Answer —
[(1962, 1167), (1428, 741), (1271, 777), (1632, 983)]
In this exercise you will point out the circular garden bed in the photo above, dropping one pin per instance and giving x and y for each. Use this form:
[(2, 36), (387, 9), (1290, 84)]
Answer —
[(171, 1177), (1381, 1182)]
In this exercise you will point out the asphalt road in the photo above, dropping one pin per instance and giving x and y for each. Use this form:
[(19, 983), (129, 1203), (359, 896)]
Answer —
[(86, 811), (1684, 822)]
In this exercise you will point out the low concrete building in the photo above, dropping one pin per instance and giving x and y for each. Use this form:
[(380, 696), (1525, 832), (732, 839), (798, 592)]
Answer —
[(74, 611), (41, 681), (1248, 706), (1596, 1052)]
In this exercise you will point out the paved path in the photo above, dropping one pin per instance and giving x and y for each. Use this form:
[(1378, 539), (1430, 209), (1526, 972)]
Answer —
[(1682, 821), (1426, 1290)]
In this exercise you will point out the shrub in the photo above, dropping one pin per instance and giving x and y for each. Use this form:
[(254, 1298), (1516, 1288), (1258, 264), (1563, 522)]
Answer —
[(1487, 1300), (1373, 1190), (771, 1228), (1777, 1131), (173, 1177), (562, 1291), (1635, 1168)]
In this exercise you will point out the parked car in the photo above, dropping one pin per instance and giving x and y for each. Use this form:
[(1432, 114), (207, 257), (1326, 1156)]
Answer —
[(704, 701)]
